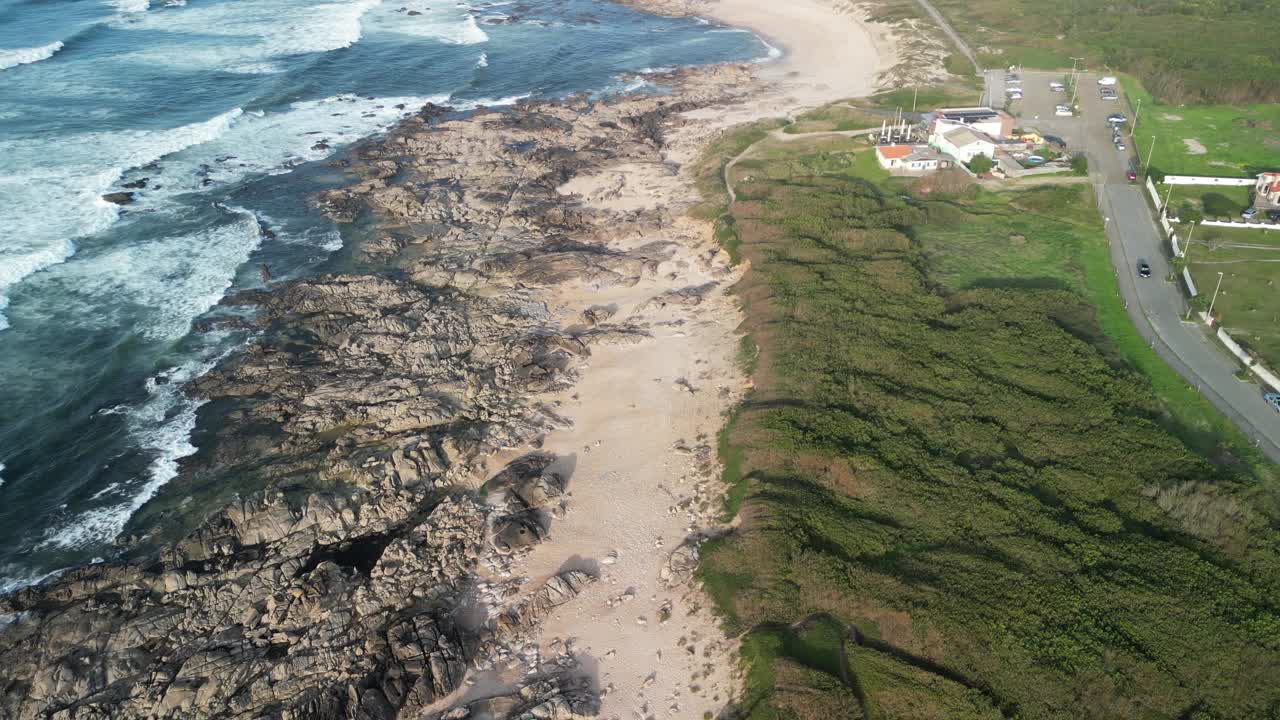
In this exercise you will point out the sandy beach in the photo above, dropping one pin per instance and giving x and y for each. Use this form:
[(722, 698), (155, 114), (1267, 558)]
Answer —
[(641, 450)]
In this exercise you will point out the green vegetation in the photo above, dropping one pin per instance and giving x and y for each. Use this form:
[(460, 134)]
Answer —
[(980, 164), (922, 98), (1248, 304), (1217, 51), (1080, 164), (1237, 141), (953, 451), (836, 116)]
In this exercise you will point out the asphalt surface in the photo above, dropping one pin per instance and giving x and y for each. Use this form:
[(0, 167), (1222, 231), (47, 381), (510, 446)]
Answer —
[(1156, 304)]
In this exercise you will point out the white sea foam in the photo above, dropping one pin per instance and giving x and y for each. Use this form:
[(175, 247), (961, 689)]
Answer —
[(130, 6), (257, 31), (162, 424), (26, 56), (483, 61), (16, 579), (1, 476), (177, 278), (259, 143), (53, 189), (464, 105), (452, 25)]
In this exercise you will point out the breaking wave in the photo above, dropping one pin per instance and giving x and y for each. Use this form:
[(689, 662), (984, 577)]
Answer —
[(26, 56)]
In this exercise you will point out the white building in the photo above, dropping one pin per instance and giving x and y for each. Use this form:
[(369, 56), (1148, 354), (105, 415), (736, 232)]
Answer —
[(963, 144), (910, 159), (996, 123)]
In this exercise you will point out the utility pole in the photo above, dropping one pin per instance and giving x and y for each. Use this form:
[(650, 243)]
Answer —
[(1137, 110), (1167, 196), (915, 92), (1215, 297), (1149, 153)]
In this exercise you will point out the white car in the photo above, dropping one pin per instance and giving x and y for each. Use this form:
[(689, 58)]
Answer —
[(1107, 81), (1062, 111), (1057, 87)]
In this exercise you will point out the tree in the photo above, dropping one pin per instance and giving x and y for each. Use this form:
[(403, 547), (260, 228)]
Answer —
[(1080, 164), (980, 164)]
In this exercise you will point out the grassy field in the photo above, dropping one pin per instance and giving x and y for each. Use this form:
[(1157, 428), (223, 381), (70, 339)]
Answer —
[(1248, 303), (967, 488), (1204, 52), (924, 98), (836, 116), (1238, 141)]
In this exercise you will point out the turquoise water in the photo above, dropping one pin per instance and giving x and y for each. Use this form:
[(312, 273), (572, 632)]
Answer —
[(211, 112)]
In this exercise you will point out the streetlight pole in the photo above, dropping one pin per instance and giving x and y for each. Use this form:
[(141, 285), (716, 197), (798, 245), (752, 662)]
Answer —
[(1136, 111), (1215, 297), (1167, 196), (1149, 153)]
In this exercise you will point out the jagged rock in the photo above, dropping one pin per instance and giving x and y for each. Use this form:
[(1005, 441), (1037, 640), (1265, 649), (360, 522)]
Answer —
[(312, 571), (557, 591)]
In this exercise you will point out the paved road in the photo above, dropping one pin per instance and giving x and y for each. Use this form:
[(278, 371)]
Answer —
[(1155, 304)]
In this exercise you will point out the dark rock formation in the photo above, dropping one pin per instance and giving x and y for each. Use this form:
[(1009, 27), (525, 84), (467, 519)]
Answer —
[(335, 534)]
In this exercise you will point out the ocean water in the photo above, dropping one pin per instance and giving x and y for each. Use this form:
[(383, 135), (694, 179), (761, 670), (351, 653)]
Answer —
[(212, 112)]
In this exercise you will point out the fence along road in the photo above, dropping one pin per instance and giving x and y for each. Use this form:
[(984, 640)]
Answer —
[(1157, 306)]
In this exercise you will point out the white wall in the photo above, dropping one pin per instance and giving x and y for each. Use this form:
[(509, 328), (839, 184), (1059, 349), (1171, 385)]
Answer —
[(1191, 286), (1241, 224), (1258, 369), (1206, 180)]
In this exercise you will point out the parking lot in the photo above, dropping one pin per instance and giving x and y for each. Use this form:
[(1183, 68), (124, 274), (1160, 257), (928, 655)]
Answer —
[(1156, 304)]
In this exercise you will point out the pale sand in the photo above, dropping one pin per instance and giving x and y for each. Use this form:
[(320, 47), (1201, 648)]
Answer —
[(641, 451)]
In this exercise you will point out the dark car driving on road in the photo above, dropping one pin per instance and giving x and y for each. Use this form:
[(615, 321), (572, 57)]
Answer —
[(1144, 270)]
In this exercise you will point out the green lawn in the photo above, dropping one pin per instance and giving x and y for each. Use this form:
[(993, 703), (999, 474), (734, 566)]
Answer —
[(1248, 303), (836, 116), (924, 98), (1238, 141), (959, 445), (1185, 52)]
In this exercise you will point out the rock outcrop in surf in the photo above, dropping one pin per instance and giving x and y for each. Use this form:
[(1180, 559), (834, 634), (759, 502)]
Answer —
[(353, 570)]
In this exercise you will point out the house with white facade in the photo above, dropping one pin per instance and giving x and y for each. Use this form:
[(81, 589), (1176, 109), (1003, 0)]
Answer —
[(910, 159), (994, 123), (963, 144)]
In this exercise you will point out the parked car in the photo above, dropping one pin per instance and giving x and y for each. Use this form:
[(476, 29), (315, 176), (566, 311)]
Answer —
[(1273, 399), (1132, 175), (1144, 270), (1057, 87), (1273, 215), (1249, 213), (1055, 141), (1120, 144), (1110, 96), (1117, 119), (1107, 81), (1062, 111)]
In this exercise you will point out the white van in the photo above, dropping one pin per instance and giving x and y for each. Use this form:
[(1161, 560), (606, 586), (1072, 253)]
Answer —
[(1107, 81)]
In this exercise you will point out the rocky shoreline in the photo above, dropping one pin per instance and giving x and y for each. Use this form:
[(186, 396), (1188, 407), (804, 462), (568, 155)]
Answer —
[(396, 420)]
